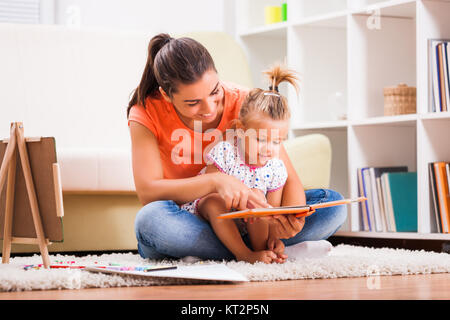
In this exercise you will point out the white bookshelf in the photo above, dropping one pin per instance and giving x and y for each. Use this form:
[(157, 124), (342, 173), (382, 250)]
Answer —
[(346, 52)]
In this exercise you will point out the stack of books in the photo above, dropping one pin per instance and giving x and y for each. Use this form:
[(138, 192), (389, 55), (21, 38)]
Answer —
[(391, 194), (439, 173), (439, 61)]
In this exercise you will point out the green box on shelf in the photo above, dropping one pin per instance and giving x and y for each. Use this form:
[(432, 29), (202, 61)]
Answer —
[(284, 12)]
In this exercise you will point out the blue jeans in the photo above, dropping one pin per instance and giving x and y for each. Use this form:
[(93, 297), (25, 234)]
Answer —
[(163, 230)]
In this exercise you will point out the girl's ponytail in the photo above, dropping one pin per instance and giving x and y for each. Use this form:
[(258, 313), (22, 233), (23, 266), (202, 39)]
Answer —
[(278, 74), (270, 102)]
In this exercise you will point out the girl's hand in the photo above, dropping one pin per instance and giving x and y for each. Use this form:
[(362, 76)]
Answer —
[(236, 194)]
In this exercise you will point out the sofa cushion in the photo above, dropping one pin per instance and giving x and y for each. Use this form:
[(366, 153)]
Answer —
[(96, 170), (311, 157)]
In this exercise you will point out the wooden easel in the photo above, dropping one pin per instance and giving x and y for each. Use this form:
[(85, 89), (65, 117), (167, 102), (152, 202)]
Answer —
[(8, 170)]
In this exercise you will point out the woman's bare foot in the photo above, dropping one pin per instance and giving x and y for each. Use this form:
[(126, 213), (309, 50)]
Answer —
[(265, 256)]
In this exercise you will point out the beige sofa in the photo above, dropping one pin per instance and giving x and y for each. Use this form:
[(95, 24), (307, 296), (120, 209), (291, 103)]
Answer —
[(75, 85)]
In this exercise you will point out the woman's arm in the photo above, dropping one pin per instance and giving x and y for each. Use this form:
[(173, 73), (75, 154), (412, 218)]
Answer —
[(255, 196), (293, 192), (148, 172), (151, 185)]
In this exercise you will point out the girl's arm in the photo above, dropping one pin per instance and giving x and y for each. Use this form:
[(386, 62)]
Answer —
[(274, 197), (293, 194), (273, 243)]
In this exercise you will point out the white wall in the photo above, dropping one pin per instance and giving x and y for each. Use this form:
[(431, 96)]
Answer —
[(153, 16), (56, 74)]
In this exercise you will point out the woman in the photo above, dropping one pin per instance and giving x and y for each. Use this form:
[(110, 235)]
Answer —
[(176, 114)]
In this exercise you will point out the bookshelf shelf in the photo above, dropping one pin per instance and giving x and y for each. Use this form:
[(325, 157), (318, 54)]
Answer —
[(436, 115), (333, 20), (390, 8), (346, 53), (339, 125), (400, 120), (395, 235), (407, 120), (274, 30)]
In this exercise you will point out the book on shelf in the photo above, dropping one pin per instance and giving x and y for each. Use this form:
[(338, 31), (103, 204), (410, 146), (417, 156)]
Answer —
[(434, 197), (403, 197), (447, 167), (377, 213), (439, 66), (446, 71), (439, 175), (367, 187), (388, 209), (376, 204), (363, 206)]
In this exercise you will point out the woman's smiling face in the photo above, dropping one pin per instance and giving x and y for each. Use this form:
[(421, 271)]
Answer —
[(199, 101)]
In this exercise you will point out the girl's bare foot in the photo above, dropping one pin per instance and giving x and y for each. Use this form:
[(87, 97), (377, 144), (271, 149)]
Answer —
[(277, 246), (265, 256)]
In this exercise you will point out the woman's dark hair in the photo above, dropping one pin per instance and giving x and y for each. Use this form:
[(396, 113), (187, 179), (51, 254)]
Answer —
[(171, 62)]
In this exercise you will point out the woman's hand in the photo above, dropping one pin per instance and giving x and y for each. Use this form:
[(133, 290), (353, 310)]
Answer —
[(258, 193), (236, 194), (259, 196), (285, 226)]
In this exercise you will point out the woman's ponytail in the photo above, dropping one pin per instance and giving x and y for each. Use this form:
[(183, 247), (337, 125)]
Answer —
[(148, 84)]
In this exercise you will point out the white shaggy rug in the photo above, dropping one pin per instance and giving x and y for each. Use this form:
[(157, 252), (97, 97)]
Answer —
[(342, 261)]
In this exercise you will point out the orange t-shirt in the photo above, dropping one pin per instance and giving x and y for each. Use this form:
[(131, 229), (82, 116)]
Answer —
[(183, 151)]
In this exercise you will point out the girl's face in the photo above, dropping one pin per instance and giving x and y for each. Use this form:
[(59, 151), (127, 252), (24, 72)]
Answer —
[(200, 101), (263, 138)]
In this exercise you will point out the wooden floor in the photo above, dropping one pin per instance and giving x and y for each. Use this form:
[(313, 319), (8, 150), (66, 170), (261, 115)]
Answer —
[(424, 287)]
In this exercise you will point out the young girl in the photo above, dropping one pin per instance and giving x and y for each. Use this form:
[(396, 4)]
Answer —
[(252, 157)]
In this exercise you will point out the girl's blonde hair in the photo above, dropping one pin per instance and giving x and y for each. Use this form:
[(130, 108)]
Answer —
[(270, 102)]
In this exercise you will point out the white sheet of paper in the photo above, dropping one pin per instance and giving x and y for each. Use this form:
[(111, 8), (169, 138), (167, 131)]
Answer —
[(212, 272)]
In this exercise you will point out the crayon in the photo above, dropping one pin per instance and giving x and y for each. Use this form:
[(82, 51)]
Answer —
[(115, 267), (160, 268)]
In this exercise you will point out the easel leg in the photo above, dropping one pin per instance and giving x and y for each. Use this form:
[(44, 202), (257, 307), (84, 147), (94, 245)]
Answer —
[(21, 145), (7, 231), (10, 150), (8, 165)]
